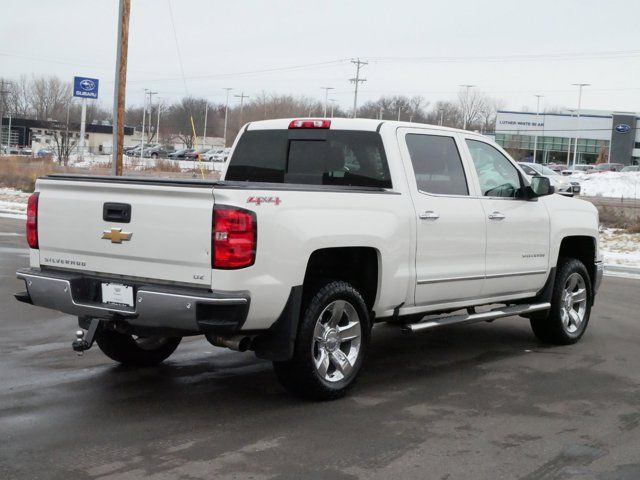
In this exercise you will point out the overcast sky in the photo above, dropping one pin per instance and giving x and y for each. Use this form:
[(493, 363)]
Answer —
[(509, 49)]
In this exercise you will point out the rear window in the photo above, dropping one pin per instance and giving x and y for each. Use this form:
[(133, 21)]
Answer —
[(313, 157)]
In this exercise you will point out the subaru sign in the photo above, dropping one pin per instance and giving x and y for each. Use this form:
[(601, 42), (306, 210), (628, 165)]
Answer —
[(84, 87), (623, 128)]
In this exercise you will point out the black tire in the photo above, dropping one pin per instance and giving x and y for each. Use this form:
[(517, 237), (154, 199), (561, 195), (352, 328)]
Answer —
[(299, 375), (554, 328), (154, 155), (141, 352)]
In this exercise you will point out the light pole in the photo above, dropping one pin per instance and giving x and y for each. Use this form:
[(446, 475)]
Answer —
[(466, 104), (441, 110), (226, 115), (333, 104), (579, 85), (535, 138), (326, 99), (2, 94)]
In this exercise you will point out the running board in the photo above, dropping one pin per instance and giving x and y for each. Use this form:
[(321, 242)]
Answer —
[(476, 317)]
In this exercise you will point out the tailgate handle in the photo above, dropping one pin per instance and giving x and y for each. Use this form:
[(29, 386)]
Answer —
[(116, 212)]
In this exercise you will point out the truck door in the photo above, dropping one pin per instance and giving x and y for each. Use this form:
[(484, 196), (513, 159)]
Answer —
[(450, 246), (517, 228)]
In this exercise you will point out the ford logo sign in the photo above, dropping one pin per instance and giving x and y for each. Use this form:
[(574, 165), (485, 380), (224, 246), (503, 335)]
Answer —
[(87, 85), (623, 128)]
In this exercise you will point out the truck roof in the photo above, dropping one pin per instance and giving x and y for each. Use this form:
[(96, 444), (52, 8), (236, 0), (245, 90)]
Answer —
[(364, 124)]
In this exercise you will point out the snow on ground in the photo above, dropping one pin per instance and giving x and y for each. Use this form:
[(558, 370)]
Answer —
[(620, 248), (609, 184), (13, 203)]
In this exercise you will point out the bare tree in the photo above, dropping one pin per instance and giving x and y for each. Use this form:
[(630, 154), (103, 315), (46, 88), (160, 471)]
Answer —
[(471, 102)]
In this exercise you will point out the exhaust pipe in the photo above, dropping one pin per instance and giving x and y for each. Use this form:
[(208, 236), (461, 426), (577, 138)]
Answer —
[(239, 343)]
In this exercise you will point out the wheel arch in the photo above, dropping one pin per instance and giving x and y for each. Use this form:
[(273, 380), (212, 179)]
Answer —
[(359, 266), (580, 247)]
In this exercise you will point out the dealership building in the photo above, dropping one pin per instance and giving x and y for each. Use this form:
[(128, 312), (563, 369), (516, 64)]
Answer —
[(602, 136)]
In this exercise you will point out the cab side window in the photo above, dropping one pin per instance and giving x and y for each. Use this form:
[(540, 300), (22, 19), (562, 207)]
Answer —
[(498, 176), (437, 164)]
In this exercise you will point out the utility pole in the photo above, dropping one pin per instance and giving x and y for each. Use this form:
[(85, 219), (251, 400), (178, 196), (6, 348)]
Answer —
[(399, 111), (464, 114), (579, 85), (204, 132), (357, 80), (150, 113), (380, 113), (242, 96), (326, 99), (441, 110), (226, 115), (144, 112), (535, 138), (124, 9), (158, 122)]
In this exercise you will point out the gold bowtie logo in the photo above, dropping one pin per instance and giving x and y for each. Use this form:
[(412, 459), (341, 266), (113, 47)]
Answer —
[(116, 235)]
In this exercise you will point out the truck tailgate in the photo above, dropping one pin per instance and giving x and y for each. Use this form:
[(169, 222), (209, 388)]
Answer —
[(169, 230)]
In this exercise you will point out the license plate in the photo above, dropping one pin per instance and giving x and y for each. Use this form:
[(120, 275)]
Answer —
[(117, 293)]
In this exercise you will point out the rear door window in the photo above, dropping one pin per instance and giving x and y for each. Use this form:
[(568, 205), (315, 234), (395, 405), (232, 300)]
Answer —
[(437, 164), (322, 157)]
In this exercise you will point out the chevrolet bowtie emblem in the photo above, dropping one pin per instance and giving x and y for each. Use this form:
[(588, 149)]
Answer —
[(116, 235)]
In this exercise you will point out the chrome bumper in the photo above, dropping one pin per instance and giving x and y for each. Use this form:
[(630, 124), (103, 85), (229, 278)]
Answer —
[(156, 306), (599, 275)]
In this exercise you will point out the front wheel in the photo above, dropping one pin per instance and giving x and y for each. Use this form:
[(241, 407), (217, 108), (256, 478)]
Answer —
[(134, 350), (570, 305), (331, 345)]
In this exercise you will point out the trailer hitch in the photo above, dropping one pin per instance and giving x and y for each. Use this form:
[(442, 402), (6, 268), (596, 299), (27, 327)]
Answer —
[(85, 342)]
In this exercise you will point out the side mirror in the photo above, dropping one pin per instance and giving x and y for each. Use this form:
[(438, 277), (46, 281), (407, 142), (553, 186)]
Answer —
[(540, 186)]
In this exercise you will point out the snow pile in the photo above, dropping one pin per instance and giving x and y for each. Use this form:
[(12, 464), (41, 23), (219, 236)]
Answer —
[(620, 248), (13, 203), (609, 184)]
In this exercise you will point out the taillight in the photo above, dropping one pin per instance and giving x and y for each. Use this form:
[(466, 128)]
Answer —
[(234, 237), (32, 221), (310, 123)]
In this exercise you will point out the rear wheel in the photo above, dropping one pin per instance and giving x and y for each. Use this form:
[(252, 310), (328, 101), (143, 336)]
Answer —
[(570, 305), (331, 345), (134, 350)]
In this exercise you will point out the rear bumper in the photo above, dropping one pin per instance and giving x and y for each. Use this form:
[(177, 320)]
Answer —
[(156, 306)]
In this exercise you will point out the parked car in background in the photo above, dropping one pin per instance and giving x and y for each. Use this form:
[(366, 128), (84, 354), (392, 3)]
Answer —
[(45, 153), (180, 154), (195, 153), (26, 151), (579, 168), (556, 167), (562, 185), (214, 155), (631, 168), (156, 151), (609, 167)]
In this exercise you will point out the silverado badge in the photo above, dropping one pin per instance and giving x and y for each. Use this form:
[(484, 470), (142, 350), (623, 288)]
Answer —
[(116, 235)]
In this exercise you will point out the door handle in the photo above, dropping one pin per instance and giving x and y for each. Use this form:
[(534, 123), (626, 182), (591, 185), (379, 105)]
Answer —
[(429, 215), (496, 216)]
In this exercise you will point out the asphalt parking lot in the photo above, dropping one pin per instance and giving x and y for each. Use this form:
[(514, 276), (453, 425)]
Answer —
[(478, 402)]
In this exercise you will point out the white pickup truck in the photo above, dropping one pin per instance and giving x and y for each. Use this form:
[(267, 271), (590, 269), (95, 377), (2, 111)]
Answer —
[(319, 229)]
